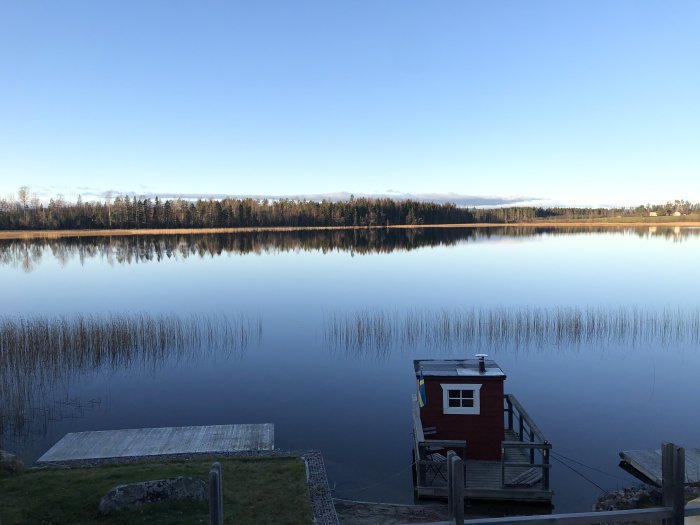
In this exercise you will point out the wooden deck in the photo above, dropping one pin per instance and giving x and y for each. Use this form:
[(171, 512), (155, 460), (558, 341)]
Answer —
[(521, 476), (646, 465), (141, 442), (484, 479)]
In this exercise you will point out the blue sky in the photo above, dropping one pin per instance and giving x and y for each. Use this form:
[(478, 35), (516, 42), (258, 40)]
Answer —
[(587, 103)]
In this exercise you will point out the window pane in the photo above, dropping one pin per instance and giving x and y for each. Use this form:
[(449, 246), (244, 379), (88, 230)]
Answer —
[(469, 403), (454, 394), (468, 394), (454, 403)]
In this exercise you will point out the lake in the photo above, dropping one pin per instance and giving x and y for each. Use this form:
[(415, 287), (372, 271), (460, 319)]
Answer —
[(591, 396)]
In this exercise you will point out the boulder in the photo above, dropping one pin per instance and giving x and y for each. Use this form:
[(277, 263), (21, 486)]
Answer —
[(628, 498), (10, 463), (637, 498), (124, 497)]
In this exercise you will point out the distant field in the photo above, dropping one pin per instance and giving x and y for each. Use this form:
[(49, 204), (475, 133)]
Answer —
[(683, 220), (256, 490), (687, 220)]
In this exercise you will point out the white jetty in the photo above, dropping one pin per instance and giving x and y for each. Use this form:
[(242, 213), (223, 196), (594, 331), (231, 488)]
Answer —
[(142, 442), (646, 465)]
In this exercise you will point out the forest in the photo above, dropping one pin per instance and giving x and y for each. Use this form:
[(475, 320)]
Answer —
[(131, 212)]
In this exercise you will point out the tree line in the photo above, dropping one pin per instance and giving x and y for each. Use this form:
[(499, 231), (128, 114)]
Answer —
[(130, 212)]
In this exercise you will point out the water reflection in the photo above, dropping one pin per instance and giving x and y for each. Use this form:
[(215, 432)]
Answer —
[(26, 254), (40, 356)]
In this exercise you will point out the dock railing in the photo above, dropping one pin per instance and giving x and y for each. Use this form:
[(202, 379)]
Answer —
[(673, 511), (430, 455), (529, 440)]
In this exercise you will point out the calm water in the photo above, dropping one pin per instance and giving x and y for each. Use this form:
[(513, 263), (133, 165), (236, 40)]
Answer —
[(590, 399)]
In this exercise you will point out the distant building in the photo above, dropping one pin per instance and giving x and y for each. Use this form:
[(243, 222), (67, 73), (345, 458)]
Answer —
[(676, 214), (652, 214)]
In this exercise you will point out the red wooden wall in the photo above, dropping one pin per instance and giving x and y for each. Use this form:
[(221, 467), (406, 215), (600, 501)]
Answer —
[(483, 432)]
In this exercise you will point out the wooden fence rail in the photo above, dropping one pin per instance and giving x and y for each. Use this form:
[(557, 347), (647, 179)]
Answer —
[(672, 513)]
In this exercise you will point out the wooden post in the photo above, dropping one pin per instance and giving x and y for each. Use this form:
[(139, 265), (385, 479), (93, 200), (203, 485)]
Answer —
[(421, 466), (521, 429), (510, 413), (673, 481), (216, 500), (532, 450), (457, 483), (450, 488), (545, 469), (679, 495), (503, 465)]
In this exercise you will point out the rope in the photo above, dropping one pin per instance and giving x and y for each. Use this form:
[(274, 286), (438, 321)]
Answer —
[(587, 466), (580, 474)]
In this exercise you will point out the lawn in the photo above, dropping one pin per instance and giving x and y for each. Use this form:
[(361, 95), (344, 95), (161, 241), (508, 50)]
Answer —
[(256, 490)]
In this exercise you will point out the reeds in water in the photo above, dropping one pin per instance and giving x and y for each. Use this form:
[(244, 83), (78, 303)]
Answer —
[(379, 331), (39, 355)]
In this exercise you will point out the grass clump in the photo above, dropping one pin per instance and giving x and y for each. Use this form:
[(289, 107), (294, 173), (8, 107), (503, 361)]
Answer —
[(256, 490)]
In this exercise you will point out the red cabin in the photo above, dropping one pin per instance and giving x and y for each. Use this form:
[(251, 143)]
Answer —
[(464, 400), (461, 407)]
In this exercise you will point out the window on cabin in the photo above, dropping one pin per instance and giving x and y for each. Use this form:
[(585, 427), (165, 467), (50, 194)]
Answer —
[(461, 399)]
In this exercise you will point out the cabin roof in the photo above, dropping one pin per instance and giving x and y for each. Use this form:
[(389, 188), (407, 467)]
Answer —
[(456, 368)]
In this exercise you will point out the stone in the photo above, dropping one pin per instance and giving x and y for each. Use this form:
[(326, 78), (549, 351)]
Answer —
[(638, 498), (125, 497), (10, 463), (628, 498)]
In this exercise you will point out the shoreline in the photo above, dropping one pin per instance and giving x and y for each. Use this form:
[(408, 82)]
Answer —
[(57, 234)]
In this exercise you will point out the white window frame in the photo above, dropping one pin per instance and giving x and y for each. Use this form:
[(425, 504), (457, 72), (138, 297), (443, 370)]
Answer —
[(447, 409)]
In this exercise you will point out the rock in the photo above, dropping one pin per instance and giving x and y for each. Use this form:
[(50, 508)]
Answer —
[(628, 498), (124, 497), (637, 498), (10, 463)]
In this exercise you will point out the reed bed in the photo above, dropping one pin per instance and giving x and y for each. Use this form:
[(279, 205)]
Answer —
[(379, 331), (59, 343), (39, 355)]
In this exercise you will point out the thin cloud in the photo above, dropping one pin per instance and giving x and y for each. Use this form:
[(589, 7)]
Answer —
[(91, 192), (439, 198)]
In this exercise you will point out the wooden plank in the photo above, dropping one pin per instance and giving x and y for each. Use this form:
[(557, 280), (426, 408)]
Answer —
[(526, 479), (488, 494), (647, 464), (161, 441)]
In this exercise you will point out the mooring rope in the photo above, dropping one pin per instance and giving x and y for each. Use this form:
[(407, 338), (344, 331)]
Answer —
[(587, 466), (580, 474)]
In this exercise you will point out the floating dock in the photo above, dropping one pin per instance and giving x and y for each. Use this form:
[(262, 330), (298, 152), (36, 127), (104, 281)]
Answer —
[(515, 478), (463, 409), (646, 465), (143, 442)]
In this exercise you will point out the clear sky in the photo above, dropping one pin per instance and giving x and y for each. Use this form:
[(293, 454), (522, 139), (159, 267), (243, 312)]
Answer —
[(586, 102)]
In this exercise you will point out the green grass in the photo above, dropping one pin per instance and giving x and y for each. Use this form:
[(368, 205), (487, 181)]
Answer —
[(256, 490)]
